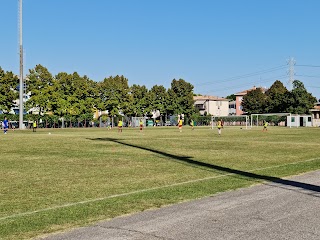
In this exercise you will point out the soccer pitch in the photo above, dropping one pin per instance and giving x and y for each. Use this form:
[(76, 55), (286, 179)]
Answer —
[(72, 177)]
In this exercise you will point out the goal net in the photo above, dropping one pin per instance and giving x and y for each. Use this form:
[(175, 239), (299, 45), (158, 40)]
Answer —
[(242, 120), (274, 119), (135, 121)]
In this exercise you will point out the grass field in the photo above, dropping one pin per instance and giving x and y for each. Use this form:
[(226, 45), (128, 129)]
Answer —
[(72, 177)]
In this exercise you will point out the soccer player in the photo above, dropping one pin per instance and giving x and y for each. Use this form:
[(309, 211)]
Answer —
[(120, 123), (34, 126), (192, 124), (180, 125), (219, 125), (5, 125), (265, 125), (141, 124)]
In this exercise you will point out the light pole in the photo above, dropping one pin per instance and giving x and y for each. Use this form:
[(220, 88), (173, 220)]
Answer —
[(21, 71)]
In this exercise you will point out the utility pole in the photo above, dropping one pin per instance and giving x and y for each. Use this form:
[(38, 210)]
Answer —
[(21, 82), (291, 63)]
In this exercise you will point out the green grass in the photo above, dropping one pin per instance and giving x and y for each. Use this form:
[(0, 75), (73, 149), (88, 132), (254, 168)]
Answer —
[(72, 177)]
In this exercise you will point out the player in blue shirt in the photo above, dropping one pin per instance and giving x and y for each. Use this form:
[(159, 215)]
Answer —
[(5, 125)]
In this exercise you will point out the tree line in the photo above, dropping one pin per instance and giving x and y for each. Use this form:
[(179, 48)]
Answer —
[(73, 95), (278, 99)]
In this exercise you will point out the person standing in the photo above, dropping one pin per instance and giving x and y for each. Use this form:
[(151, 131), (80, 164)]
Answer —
[(180, 125), (265, 126), (120, 124), (219, 125), (5, 125), (192, 124), (141, 124), (34, 126)]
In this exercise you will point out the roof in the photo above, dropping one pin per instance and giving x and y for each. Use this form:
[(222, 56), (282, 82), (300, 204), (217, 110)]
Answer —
[(208, 98), (199, 102), (242, 93), (315, 108)]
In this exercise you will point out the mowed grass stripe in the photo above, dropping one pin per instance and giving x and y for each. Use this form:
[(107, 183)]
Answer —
[(146, 190)]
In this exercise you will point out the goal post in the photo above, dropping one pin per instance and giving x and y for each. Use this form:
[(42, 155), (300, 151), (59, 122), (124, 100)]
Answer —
[(232, 120), (270, 117)]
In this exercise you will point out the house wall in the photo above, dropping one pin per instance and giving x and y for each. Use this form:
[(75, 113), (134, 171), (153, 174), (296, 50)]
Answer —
[(232, 108), (239, 105), (217, 108), (315, 118)]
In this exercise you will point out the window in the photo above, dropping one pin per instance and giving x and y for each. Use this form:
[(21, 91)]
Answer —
[(309, 119), (293, 119)]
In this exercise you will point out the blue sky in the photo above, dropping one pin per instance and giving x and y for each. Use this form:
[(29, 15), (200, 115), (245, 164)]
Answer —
[(221, 47)]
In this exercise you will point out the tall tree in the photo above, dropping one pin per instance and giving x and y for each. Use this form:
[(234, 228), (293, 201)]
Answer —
[(8, 90), (300, 100), (276, 98), (180, 97), (40, 85), (114, 95), (139, 99), (254, 101), (74, 95), (158, 97)]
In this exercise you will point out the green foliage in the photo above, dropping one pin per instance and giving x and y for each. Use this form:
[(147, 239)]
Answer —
[(139, 98), (158, 97), (300, 101), (254, 101), (180, 98), (277, 98), (231, 97), (8, 90), (114, 95)]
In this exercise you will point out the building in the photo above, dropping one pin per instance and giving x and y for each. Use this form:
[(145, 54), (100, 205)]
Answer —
[(232, 108), (215, 106), (297, 120), (315, 115), (239, 97)]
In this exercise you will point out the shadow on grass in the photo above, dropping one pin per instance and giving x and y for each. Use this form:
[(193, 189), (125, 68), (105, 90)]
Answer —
[(189, 161)]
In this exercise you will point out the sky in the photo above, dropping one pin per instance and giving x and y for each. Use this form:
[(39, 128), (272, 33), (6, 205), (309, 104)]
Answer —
[(220, 47)]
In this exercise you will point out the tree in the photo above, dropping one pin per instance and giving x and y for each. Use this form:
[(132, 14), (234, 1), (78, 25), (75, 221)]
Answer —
[(180, 98), (73, 95), (114, 95), (139, 99), (158, 96), (8, 90), (254, 101), (300, 101), (40, 85), (231, 97), (276, 98)]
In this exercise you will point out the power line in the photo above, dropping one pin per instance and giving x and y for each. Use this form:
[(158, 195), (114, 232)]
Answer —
[(299, 65), (246, 84), (302, 75), (312, 87), (244, 76)]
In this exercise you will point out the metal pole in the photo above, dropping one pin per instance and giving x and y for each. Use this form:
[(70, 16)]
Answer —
[(21, 73)]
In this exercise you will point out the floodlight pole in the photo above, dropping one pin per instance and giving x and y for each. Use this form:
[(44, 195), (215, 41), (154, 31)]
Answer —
[(21, 70)]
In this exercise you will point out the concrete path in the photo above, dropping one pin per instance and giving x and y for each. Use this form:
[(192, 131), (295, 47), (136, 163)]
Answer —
[(268, 211)]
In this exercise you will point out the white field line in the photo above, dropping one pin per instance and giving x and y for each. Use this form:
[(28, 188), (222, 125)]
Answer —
[(144, 190)]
